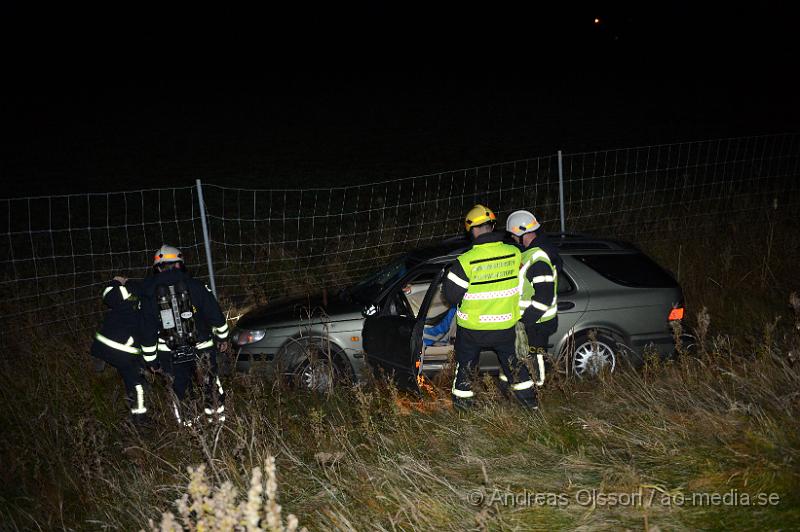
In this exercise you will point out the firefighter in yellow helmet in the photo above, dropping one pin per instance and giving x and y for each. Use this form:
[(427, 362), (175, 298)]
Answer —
[(483, 283)]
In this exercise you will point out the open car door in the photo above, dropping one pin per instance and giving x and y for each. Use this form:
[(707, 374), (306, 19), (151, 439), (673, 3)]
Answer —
[(393, 336)]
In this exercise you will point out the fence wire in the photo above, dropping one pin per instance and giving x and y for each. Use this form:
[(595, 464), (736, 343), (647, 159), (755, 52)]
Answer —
[(57, 251)]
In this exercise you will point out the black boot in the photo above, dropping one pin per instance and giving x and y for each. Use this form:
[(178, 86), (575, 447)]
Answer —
[(463, 404), (528, 399)]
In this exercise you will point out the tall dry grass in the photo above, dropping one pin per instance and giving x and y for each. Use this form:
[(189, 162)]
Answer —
[(721, 417)]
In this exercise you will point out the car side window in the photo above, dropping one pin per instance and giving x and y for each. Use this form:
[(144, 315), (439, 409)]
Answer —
[(565, 284), (407, 297), (439, 306)]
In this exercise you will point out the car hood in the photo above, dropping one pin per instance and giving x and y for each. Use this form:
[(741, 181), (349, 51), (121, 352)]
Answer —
[(304, 309)]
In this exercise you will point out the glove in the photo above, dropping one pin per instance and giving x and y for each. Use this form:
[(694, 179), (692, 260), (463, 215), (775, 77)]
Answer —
[(223, 346), (520, 340)]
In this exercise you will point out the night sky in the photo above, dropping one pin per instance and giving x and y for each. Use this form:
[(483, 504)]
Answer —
[(419, 90)]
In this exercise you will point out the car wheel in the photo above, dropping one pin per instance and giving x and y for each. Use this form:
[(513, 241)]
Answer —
[(593, 356), (318, 376), (320, 372)]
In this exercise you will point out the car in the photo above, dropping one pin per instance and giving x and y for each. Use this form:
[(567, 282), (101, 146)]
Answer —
[(615, 304)]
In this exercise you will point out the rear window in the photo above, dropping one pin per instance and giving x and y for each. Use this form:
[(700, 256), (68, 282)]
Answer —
[(634, 269)]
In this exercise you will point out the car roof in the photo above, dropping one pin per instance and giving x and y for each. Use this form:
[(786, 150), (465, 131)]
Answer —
[(567, 243)]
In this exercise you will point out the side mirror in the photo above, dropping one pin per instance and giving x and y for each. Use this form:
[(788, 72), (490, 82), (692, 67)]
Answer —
[(369, 310)]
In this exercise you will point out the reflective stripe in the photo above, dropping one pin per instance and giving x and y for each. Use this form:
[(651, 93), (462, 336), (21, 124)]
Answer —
[(538, 255), (466, 394), (548, 310), (210, 411), (221, 332), (528, 290), (521, 284), (522, 271), (163, 347), (463, 393), (540, 361), (140, 408), (540, 306), (124, 292), (551, 312), (221, 391), (458, 280), (207, 288), (503, 377), (495, 294), (492, 318), (107, 290), (462, 315), (127, 347), (150, 358), (522, 386), (148, 349)]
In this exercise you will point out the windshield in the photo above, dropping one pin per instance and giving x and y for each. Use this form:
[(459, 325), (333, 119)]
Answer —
[(368, 289)]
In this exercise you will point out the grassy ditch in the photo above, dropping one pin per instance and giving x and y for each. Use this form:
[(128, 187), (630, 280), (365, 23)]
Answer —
[(709, 440)]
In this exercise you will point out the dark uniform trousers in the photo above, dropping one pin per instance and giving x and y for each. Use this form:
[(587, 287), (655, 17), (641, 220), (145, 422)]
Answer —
[(183, 378), (129, 366), (468, 346), (539, 333)]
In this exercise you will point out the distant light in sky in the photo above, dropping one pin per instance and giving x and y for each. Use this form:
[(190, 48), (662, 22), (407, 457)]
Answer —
[(597, 21)]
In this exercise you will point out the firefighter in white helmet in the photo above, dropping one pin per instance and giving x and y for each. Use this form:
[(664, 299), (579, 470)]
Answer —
[(538, 283), (183, 327), (483, 283)]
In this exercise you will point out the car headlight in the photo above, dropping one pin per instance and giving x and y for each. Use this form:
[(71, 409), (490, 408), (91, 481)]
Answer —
[(247, 336)]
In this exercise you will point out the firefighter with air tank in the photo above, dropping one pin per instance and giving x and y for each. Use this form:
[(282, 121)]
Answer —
[(484, 283), (183, 327)]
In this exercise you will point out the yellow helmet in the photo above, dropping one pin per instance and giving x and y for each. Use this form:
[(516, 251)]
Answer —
[(478, 215)]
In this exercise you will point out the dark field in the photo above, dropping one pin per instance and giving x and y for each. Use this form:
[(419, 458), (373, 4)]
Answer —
[(720, 418)]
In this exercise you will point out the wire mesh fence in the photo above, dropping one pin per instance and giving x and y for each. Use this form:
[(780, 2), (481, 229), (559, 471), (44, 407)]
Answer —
[(58, 251)]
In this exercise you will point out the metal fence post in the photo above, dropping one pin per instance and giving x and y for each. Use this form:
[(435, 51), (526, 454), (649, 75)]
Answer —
[(205, 236), (561, 192)]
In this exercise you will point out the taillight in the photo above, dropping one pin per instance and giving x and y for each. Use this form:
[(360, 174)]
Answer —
[(676, 314)]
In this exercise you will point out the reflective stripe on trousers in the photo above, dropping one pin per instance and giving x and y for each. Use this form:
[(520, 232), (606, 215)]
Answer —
[(139, 408), (464, 394), (519, 386)]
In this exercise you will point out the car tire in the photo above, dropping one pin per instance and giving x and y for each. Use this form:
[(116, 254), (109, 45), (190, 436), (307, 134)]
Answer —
[(320, 371), (591, 356)]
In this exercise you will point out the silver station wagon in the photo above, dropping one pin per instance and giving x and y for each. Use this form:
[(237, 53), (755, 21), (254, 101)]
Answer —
[(614, 303)]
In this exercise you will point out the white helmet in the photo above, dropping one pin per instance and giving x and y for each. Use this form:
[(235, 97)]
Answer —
[(521, 222), (167, 254)]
